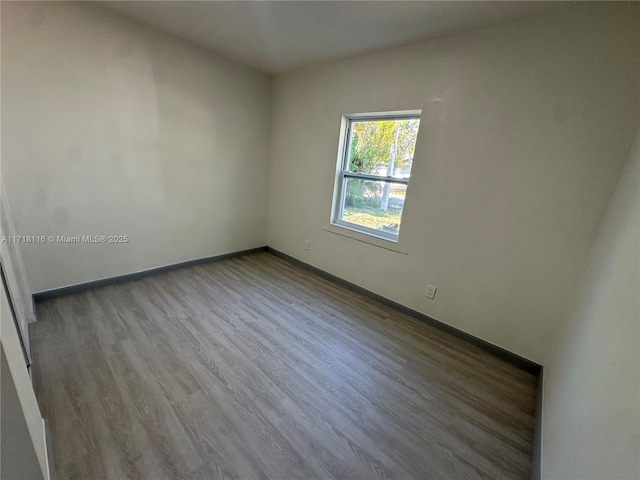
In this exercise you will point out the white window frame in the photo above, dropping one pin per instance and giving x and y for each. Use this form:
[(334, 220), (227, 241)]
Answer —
[(342, 173)]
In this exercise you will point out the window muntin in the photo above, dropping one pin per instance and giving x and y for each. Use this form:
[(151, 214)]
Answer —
[(375, 167)]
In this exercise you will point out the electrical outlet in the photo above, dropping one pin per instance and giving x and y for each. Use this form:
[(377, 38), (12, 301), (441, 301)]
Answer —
[(431, 292), (307, 244)]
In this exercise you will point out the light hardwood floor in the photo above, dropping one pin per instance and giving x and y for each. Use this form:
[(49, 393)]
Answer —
[(252, 368)]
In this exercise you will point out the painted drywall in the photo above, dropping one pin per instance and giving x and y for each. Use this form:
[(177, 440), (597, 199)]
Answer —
[(525, 130), (110, 127), (591, 423)]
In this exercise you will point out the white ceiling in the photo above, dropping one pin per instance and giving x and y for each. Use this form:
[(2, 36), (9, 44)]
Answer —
[(277, 36)]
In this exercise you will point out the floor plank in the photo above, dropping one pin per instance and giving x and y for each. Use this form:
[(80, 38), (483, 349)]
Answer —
[(253, 368)]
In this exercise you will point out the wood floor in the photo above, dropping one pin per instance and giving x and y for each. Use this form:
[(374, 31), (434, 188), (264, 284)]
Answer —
[(252, 368)]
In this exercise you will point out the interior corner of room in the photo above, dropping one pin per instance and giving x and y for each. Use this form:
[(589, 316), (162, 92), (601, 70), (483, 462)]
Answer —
[(395, 212)]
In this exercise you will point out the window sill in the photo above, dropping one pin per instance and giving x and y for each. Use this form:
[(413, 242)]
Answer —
[(399, 246)]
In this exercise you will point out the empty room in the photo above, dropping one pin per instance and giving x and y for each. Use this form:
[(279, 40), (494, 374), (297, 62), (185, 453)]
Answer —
[(320, 240)]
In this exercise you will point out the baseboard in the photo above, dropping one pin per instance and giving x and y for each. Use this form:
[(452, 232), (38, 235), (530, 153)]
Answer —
[(81, 287), (515, 359), (32, 318), (536, 471)]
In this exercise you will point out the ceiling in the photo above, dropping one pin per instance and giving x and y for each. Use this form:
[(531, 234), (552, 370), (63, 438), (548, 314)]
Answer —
[(277, 36)]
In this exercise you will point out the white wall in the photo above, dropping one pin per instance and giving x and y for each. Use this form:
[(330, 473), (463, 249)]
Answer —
[(591, 424), (110, 127), (525, 129)]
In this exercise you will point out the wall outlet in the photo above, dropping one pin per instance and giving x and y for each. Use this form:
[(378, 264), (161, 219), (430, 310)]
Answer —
[(431, 292), (307, 244)]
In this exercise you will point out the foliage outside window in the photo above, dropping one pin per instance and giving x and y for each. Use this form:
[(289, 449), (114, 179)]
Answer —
[(375, 169)]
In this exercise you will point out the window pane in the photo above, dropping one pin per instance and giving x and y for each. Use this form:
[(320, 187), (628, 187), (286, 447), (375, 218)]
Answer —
[(383, 147), (374, 204)]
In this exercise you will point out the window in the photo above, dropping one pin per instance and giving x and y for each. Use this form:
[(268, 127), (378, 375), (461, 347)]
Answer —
[(375, 162)]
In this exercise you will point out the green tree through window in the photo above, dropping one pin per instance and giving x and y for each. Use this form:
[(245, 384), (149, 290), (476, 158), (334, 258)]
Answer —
[(376, 171)]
